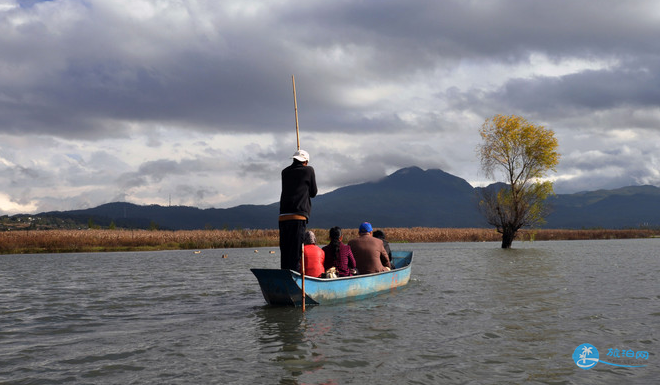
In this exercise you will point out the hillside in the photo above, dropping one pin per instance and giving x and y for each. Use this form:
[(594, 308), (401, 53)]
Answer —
[(407, 198), (410, 197)]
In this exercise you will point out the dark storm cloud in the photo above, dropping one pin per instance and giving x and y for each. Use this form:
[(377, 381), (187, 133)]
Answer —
[(585, 92), (418, 33), (102, 67), (82, 86)]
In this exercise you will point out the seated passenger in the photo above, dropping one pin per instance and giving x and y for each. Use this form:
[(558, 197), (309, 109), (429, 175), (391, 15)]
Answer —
[(381, 235), (369, 252), (338, 255), (314, 256)]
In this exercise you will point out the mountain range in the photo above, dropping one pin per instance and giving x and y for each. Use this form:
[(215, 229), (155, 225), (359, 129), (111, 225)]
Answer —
[(410, 197)]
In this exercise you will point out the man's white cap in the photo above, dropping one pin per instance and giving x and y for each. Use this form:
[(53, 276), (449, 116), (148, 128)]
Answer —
[(301, 155)]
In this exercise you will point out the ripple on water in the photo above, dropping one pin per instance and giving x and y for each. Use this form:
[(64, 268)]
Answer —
[(471, 314)]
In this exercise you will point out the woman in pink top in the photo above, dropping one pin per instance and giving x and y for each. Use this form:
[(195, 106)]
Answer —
[(339, 255)]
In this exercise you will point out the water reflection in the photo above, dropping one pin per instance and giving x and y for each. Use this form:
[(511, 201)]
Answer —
[(293, 341), (526, 292)]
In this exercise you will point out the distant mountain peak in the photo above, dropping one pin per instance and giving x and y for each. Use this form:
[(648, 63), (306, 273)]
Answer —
[(408, 170), (408, 197), (431, 179)]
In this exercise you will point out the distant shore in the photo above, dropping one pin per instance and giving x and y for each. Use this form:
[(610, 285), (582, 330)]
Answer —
[(94, 240)]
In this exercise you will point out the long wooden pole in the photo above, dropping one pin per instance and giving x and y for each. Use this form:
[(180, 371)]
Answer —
[(295, 109), (302, 269), (302, 258)]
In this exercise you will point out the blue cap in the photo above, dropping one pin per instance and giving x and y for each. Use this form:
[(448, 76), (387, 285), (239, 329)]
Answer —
[(366, 227)]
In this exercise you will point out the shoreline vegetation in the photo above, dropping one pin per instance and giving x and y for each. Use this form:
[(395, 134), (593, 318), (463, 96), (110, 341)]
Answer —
[(97, 240)]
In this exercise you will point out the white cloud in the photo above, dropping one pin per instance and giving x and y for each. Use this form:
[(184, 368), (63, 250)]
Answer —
[(11, 207)]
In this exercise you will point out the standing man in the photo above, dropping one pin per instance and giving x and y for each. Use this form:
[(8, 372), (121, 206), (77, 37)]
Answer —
[(298, 187)]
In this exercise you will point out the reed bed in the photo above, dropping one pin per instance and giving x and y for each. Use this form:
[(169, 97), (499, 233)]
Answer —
[(57, 241), (573, 235), (429, 234)]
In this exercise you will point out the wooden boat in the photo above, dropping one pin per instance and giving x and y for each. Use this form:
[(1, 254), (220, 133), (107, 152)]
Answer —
[(283, 287)]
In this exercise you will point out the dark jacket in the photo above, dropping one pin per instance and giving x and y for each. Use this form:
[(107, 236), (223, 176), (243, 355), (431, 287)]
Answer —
[(370, 255), (385, 244), (298, 187)]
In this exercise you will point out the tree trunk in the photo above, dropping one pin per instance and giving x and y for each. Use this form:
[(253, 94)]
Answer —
[(507, 238)]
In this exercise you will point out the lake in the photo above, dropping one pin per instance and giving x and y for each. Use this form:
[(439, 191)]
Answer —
[(471, 314)]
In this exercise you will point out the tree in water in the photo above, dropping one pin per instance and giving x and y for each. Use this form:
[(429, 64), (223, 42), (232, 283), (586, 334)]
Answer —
[(524, 153)]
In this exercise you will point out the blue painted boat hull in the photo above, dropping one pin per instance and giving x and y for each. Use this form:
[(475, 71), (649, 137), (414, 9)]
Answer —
[(283, 287)]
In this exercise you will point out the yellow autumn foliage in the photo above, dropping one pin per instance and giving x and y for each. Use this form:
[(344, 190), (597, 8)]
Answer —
[(523, 153)]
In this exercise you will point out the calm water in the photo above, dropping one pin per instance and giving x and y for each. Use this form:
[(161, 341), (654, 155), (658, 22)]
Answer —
[(472, 314)]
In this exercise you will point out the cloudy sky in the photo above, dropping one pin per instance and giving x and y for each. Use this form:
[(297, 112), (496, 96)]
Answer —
[(152, 101)]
